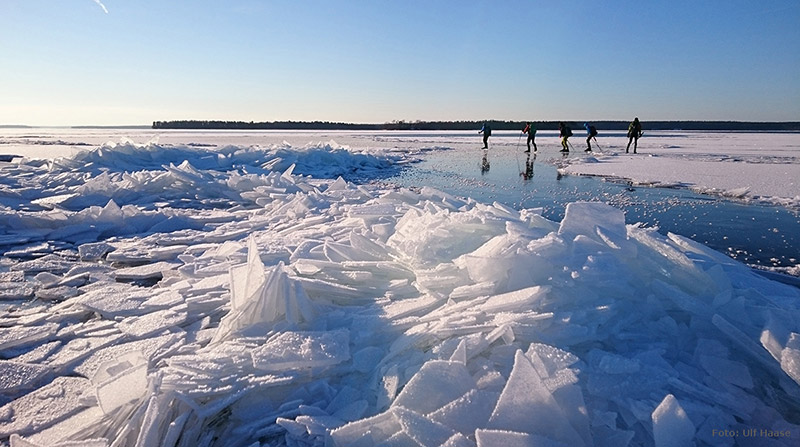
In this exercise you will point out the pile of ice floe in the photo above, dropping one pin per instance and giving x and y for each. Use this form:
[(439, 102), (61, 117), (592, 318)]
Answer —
[(316, 312), (123, 189)]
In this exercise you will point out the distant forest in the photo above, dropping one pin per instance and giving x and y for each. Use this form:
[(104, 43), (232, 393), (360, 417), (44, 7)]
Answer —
[(475, 125)]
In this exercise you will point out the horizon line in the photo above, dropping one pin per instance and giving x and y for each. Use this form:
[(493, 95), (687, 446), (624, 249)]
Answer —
[(150, 125)]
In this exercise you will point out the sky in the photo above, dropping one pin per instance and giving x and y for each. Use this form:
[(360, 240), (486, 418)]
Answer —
[(115, 62)]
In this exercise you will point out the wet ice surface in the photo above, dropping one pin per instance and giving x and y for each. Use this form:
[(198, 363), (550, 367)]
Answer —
[(164, 296)]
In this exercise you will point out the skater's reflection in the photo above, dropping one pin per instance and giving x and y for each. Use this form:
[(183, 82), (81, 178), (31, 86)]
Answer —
[(485, 162), (528, 174)]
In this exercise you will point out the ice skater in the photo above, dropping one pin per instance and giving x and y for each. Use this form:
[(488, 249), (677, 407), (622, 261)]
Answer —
[(530, 129), (634, 133), (486, 130), (565, 132), (591, 132)]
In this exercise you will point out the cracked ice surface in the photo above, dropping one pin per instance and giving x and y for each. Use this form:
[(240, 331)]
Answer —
[(222, 299)]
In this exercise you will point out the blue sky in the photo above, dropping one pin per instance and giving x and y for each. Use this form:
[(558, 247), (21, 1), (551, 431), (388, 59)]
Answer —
[(68, 62)]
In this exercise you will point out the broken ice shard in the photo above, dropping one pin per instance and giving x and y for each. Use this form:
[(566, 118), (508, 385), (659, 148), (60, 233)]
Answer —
[(297, 350), (121, 381)]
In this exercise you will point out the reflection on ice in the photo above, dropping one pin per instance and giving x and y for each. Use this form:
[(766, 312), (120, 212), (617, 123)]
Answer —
[(320, 312)]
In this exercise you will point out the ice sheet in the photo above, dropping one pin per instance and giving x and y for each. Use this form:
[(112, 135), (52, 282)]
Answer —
[(15, 375), (671, 425), (527, 406), (120, 381), (436, 384), (44, 407), (714, 163)]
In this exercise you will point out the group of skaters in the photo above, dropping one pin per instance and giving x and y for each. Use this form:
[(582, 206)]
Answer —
[(634, 133)]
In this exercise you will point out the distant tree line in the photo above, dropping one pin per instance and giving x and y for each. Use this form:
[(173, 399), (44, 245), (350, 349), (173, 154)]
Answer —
[(282, 125), (474, 125)]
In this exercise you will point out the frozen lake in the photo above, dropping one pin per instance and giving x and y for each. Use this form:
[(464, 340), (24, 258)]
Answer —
[(239, 289), (760, 225)]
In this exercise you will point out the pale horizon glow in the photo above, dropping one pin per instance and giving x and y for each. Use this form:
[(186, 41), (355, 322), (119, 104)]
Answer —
[(68, 63)]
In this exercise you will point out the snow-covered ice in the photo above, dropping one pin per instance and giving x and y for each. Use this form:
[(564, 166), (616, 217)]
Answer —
[(750, 166), (244, 296)]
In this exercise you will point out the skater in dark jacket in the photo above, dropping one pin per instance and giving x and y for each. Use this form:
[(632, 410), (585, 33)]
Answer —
[(486, 130), (634, 132), (591, 132)]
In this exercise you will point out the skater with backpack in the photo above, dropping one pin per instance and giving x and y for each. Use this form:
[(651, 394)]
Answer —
[(591, 131), (634, 133), (530, 129)]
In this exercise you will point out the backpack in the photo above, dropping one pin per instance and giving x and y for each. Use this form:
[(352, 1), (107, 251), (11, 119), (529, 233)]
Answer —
[(568, 132)]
